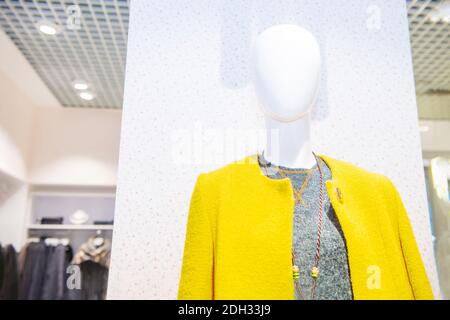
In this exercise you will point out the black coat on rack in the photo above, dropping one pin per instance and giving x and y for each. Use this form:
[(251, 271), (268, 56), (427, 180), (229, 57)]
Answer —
[(10, 283)]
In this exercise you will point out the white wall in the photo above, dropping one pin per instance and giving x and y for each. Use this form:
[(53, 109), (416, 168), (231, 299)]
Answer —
[(16, 116), (75, 147), (436, 138), (51, 146), (13, 208), (187, 86)]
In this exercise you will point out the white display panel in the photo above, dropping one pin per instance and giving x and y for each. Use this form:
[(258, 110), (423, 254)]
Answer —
[(189, 101)]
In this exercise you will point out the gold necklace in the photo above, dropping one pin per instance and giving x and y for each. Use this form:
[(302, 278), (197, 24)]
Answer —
[(299, 193), (315, 268)]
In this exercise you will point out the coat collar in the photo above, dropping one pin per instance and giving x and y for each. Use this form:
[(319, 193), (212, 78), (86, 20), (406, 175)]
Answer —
[(333, 164)]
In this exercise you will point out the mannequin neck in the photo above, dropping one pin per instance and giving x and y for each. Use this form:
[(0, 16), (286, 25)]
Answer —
[(289, 143)]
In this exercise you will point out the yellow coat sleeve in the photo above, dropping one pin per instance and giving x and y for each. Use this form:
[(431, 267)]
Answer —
[(416, 271), (196, 280)]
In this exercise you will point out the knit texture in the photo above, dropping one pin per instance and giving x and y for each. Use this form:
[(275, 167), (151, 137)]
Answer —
[(239, 231), (333, 282)]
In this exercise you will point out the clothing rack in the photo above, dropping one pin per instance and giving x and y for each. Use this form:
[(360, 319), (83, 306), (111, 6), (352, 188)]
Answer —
[(76, 234), (62, 201)]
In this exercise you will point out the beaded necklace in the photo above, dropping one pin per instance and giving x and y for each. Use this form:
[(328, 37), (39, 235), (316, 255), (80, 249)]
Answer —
[(315, 268)]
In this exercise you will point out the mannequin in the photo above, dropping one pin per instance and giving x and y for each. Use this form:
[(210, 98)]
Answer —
[(286, 79)]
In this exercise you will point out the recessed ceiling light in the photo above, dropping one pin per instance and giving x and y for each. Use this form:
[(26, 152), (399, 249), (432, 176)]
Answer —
[(48, 27), (86, 96), (424, 128), (80, 85)]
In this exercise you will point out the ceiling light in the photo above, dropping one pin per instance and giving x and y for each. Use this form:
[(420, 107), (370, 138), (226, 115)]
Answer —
[(80, 85), (86, 96), (47, 27)]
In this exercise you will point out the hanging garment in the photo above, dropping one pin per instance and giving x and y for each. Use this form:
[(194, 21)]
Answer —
[(93, 261), (90, 251), (239, 235), (58, 259), (2, 265), (10, 285), (33, 274), (21, 262), (94, 281)]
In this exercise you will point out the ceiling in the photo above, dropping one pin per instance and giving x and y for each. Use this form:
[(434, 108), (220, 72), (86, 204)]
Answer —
[(430, 42), (96, 52)]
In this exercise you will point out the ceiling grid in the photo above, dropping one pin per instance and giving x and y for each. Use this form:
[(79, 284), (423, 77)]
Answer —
[(95, 52), (430, 42), (82, 68), (27, 44), (56, 59), (107, 49)]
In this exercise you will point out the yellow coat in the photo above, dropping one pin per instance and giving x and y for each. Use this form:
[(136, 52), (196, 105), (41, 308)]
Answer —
[(239, 235)]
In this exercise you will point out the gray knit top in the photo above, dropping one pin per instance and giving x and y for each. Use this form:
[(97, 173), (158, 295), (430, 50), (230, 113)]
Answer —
[(334, 279)]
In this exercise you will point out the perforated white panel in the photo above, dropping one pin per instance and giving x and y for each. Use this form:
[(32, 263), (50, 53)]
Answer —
[(95, 51), (188, 86)]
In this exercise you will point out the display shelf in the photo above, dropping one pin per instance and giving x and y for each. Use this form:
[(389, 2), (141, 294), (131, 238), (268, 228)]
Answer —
[(70, 227)]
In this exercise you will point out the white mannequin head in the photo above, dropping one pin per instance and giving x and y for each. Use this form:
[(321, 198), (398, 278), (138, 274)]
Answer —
[(286, 65)]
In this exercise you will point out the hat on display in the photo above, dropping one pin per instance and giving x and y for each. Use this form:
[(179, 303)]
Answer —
[(79, 217)]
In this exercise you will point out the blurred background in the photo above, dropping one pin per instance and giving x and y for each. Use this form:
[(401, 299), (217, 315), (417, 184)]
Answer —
[(61, 86), (61, 89), (429, 24)]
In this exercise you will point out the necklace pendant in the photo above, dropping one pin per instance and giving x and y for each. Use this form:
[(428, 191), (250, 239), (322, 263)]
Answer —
[(314, 272), (295, 272)]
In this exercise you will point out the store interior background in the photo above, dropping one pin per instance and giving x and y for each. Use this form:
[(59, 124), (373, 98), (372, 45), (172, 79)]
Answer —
[(57, 145)]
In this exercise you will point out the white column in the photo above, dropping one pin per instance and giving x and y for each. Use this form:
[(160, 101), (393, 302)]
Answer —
[(187, 88)]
